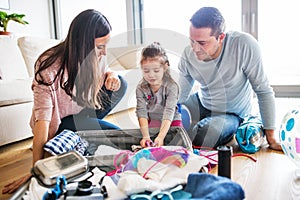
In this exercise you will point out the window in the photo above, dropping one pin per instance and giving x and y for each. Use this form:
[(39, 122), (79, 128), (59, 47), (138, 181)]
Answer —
[(277, 34), (175, 15), (114, 10)]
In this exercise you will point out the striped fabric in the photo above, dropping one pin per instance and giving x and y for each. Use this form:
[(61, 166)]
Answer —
[(65, 141)]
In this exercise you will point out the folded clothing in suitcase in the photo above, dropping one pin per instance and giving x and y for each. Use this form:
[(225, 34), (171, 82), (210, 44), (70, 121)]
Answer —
[(114, 141)]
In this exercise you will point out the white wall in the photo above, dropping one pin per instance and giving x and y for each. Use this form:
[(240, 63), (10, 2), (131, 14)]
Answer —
[(37, 13)]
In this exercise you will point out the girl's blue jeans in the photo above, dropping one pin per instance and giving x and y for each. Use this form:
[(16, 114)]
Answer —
[(91, 119), (207, 128)]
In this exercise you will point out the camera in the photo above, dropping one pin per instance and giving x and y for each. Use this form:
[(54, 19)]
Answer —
[(83, 190)]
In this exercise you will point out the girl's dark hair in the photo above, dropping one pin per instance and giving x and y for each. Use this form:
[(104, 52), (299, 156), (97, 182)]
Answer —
[(155, 51), (76, 56), (209, 17)]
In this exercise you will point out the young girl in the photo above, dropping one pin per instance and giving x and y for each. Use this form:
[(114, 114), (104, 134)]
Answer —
[(157, 95)]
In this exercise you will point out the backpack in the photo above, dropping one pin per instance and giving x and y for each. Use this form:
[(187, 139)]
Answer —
[(250, 134)]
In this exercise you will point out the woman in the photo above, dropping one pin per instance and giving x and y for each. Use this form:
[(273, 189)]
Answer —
[(72, 87)]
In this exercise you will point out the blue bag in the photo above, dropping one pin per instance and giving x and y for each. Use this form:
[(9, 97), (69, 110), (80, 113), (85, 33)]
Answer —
[(250, 134)]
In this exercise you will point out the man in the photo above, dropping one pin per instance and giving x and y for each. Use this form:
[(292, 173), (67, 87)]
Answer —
[(229, 68)]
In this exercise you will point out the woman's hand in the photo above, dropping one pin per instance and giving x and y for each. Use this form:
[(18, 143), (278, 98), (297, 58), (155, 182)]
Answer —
[(112, 81), (13, 186)]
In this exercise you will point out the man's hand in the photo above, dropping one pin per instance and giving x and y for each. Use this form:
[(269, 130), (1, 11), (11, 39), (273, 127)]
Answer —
[(273, 143)]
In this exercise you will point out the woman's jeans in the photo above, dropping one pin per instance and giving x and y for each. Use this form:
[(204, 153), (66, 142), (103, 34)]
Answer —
[(209, 129), (91, 119)]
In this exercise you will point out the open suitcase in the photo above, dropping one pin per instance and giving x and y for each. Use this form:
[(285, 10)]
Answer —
[(121, 140), (124, 139)]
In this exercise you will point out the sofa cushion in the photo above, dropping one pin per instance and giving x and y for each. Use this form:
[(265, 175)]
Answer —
[(14, 123), (32, 47), (15, 91), (129, 56), (12, 64), (132, 76), (112, 62)]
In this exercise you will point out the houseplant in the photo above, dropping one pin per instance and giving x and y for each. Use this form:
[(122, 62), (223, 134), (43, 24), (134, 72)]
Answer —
[(5, 18)]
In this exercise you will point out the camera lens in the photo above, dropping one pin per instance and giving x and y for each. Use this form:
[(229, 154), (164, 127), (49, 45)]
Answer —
[(84, 188)]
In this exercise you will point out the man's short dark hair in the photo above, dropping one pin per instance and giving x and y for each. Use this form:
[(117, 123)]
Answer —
[(209, 17)]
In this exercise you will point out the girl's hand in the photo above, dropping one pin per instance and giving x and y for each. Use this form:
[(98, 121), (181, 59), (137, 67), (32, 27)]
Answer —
[(112, 81), (159, 141), (144, 142)]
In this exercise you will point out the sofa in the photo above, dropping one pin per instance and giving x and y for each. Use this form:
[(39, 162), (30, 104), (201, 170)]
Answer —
[(17, 58)]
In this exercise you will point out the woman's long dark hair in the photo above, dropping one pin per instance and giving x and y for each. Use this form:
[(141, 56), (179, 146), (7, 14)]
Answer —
[(76, 56)]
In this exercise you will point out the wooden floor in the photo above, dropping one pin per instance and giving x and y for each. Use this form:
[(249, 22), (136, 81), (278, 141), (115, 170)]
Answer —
[(273, 176), (15, 161)]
